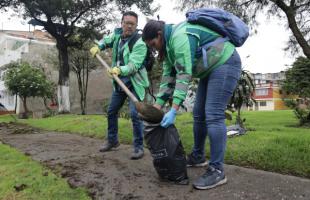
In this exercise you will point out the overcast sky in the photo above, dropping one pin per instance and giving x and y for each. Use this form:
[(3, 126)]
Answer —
[(261, 53)]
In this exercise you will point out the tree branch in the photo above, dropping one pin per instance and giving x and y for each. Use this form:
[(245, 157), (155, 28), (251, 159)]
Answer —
[(72, 25), (290, 13), (247, 3), (303, 5)]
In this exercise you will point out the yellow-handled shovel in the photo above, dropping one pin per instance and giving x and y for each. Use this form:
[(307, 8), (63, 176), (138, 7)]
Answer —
[(147, 112)]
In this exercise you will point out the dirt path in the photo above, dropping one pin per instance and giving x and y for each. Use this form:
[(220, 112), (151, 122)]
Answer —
[(113, 175)]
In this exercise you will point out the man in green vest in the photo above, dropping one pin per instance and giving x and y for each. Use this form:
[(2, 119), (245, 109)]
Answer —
[(127, 63)]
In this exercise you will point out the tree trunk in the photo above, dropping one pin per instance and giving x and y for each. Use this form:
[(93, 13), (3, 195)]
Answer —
[(63, 80), (63, 99), (15, 108), (298, 35), (45, 104), (82, 89), (83, 97), (238, 118), (80, 85), (82, 74), (85, 83), (291, 14), (25, 104)]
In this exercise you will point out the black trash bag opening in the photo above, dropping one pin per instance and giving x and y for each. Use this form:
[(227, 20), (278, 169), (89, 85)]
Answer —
[(168, 154)]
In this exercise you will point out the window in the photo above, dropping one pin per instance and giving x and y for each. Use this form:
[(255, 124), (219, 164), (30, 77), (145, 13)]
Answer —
[(261, 92), (262, 103)]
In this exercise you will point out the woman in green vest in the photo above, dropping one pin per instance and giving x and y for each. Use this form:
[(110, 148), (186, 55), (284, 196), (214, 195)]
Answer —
[(178, 47)]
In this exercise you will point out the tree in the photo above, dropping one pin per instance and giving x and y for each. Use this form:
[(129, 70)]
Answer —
[(243, 95), (297, 82), (82, 63), (26, 81), (64, 19), (295, 12), (6, 3), (297, 78), (48, 93)]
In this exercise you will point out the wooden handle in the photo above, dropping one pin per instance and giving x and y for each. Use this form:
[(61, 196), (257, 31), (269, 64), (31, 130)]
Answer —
[(118, 80)]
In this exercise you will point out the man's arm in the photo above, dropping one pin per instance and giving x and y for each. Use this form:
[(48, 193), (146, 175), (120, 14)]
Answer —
[(105, 42), (136, 58)]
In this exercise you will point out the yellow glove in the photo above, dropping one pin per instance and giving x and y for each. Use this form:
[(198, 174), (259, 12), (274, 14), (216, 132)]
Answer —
[(114, 70), (94, 50)]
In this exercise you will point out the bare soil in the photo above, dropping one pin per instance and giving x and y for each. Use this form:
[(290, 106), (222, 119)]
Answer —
[(113, 175)]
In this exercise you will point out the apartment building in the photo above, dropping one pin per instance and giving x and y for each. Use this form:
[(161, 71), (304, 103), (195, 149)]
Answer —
[(268, 93)]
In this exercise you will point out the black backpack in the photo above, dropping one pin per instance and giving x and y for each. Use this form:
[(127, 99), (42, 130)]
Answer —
[(149, 58)]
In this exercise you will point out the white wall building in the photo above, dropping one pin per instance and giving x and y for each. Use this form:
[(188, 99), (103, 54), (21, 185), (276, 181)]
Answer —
[(38, 48), (13, 46)]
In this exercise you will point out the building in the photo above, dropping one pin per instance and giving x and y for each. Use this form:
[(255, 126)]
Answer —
[(268, 93), (20, 45), (39, 48)]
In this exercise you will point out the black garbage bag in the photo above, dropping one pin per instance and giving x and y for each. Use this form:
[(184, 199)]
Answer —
[(167, 151)]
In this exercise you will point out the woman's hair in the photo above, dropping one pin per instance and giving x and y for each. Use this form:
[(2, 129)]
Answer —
[(150, 31)]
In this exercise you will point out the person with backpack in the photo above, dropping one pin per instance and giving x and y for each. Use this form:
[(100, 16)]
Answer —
[(127, 63), (180, 48)]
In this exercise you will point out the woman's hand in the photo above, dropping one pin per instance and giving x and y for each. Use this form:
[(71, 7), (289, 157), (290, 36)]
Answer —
[(169, 118)]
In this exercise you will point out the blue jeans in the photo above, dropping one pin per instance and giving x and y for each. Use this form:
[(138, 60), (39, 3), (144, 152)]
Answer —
[(117, 100), (213, 94)]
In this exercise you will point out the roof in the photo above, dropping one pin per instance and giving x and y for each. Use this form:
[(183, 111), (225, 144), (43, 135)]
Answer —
[(36, 35)]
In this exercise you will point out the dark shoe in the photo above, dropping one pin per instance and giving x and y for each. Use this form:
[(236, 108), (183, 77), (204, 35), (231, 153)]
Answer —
[(137, 154), (108, 146), (199, 161), (210, 179)]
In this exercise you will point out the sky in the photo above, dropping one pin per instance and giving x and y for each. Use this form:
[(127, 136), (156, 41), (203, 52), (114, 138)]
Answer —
[(261, 53)]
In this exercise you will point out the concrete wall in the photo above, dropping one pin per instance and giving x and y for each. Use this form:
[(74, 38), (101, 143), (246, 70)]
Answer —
[(44, 54), (99, 87)]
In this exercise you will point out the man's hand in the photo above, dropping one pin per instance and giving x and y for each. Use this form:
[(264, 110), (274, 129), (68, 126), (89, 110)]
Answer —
[(114, 70), (169, 118), (94, 50)]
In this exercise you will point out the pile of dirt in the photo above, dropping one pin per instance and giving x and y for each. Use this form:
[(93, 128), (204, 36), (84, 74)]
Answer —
[(16, 128), (113, 175)]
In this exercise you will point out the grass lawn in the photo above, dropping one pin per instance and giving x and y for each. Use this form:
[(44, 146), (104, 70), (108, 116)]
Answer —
[(274, 144), (22, 178)]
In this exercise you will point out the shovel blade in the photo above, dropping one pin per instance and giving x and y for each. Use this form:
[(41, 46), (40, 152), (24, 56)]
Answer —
[(149, 113)]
